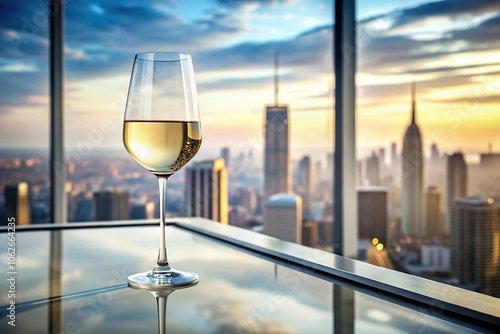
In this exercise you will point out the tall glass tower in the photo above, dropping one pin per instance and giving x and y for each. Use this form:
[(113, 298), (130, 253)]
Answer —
[(412, 197), (277, 176), (475, 244), (277, 169), (456, 179)]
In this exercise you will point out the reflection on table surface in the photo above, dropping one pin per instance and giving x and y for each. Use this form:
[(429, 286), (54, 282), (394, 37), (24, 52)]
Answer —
[(74, 281)]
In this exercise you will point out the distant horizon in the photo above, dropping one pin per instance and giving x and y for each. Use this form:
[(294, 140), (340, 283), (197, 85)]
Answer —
[(214, 152)]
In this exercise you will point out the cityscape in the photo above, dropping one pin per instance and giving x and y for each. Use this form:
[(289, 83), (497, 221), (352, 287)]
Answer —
[(427, 124), (435, 216)]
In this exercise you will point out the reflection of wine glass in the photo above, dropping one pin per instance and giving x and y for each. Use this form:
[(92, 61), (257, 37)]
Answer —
[(162, 132), (161, 296)]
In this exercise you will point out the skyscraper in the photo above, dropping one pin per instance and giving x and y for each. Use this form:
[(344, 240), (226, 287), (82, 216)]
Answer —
[(310, 234), (248, 199), (283, 217), (373, 213), (224, 152), (206, 190), (306, 184), (373, 170), (434, 212), (277, 174), (394, 155), (111, 205), (17, 203), (138, 211), (456, 178), (475, 244), (277, 168), (412, 201), (381, 154), (434, 153)]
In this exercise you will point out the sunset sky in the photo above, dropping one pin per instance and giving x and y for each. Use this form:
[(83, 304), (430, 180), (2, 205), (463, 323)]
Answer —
[(451, 48)]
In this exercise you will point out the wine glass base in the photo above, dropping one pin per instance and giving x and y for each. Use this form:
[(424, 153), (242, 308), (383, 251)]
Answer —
[(150, 281)]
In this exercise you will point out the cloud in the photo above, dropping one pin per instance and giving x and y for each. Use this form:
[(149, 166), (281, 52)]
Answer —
[(310, 48), (484, 35), (236, 83), (383, 48), (249, 3), (19, 88), (102, 38), (491, 99), (445, 8)]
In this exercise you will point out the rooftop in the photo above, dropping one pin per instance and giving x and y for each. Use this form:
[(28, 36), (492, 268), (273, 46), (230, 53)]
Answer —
[(284, 199)]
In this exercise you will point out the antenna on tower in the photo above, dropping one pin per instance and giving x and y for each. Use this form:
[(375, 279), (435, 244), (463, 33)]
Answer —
[(276, 77), (413, 99)]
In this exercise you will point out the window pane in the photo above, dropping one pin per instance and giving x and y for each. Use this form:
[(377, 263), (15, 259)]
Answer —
[(233, 45), (24, 112), (426, 146)]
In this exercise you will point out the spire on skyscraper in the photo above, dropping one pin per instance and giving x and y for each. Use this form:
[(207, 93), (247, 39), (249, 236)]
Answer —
[(413, 102), (412, 199), (276, 77)]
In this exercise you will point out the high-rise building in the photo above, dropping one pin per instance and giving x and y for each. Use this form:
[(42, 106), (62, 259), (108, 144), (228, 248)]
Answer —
[(361, 175), (248, 199), (17, 203), (330, 166), (306, 184), (111, 205), (325, 233), (138, 211), (475, 244), (435, 257), (412, 197), (490, 159), (84, 209), (283, 217), (277, 173), (434, 153), (436, 169), (373, 213), (373, 170), (207, 190), (456, 179), (310, 234), (434, 212), (305, 174), (318, 174), (225, 154), (381, 154), (394, 155)]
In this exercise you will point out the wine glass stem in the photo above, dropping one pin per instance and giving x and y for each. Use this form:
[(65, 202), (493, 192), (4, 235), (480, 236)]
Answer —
[(162, 262), (161, 304)]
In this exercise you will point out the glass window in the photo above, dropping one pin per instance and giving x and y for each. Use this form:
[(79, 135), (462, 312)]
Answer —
[(24, 112), (428, 139), (237, 49)]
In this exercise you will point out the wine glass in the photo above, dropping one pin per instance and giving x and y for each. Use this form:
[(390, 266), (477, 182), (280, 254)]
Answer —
[(162, 132)]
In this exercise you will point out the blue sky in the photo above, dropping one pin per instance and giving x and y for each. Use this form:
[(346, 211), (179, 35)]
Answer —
[(450, 47)]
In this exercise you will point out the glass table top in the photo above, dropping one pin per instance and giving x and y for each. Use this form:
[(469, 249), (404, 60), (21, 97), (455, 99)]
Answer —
[(238, 292)]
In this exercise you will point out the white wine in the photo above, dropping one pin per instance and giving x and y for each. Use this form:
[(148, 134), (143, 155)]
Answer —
[(162, 147)]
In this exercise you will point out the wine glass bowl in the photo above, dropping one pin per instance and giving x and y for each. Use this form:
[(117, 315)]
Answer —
[(162, 132)]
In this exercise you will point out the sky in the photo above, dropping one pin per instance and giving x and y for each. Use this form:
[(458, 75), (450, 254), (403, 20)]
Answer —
[(450, 48)]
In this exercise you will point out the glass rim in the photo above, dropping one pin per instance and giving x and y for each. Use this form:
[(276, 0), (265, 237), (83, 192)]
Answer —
[(163, 56)]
